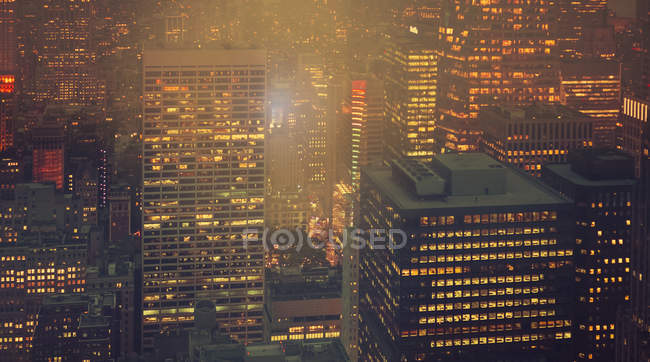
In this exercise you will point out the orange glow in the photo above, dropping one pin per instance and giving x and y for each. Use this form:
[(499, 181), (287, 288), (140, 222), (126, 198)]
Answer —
[(7, 83)]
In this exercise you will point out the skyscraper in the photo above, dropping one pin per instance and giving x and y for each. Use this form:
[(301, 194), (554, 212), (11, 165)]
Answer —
[(362, 125), (8, 39), (66, 55), (528, 137), (492, 52), (204, 127), (8, 71), (411, 97), (602, 187), (594, 88), (633, 338), (633, 123), (576, 20), (48, 154), (487, 270), (7, 104)]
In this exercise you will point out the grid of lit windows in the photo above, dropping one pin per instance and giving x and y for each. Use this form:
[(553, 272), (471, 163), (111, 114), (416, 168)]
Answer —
[(26, 275), (411, 93), (489, 52), (531, 136), (469, 280), (204, 126)]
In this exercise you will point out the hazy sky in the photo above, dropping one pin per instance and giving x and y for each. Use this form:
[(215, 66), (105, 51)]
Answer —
[(623, 8)]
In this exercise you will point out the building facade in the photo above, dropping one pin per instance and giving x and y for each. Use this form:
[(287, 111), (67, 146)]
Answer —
[(204, 176), (487, 269), (602, 187), (528, 137), (594, 89), (411, 88), (491, 53)]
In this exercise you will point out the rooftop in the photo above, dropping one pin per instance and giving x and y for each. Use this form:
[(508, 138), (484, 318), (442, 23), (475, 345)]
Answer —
[(177, 58), (472, 180), (544, 112), (596, 168), (564, 170)]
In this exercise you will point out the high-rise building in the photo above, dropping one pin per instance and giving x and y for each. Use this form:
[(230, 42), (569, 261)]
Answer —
[(7, 104), (643, 14), (362, 125), (632, 127), (350, 301), (8, 39), (492, 53), (602, 186), (286, 169), (311, 119), (288, 210), (528, 137), (633, 325), (577, 19), (593, 87), (66, 55), (204, 126), (487, 269), (48, 142), (411, 88)]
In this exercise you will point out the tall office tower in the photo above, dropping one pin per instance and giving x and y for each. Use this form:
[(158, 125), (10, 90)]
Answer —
[(411, 94), (491, 53), (602, 187), (594, 88), (8, 71), (7, 104), (528, 137), (66, 55), (8, 39), (633, 121), (204, 126), (176, 25), (312, 118), (350, 302), (48, 154), (285, 166), (633, 337), (643, 12), (486, 272), (362, 125), (576, 19)]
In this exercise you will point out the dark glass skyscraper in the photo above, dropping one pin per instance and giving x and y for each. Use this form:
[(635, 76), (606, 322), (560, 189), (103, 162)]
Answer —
[(486, 272), (602, 187)]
